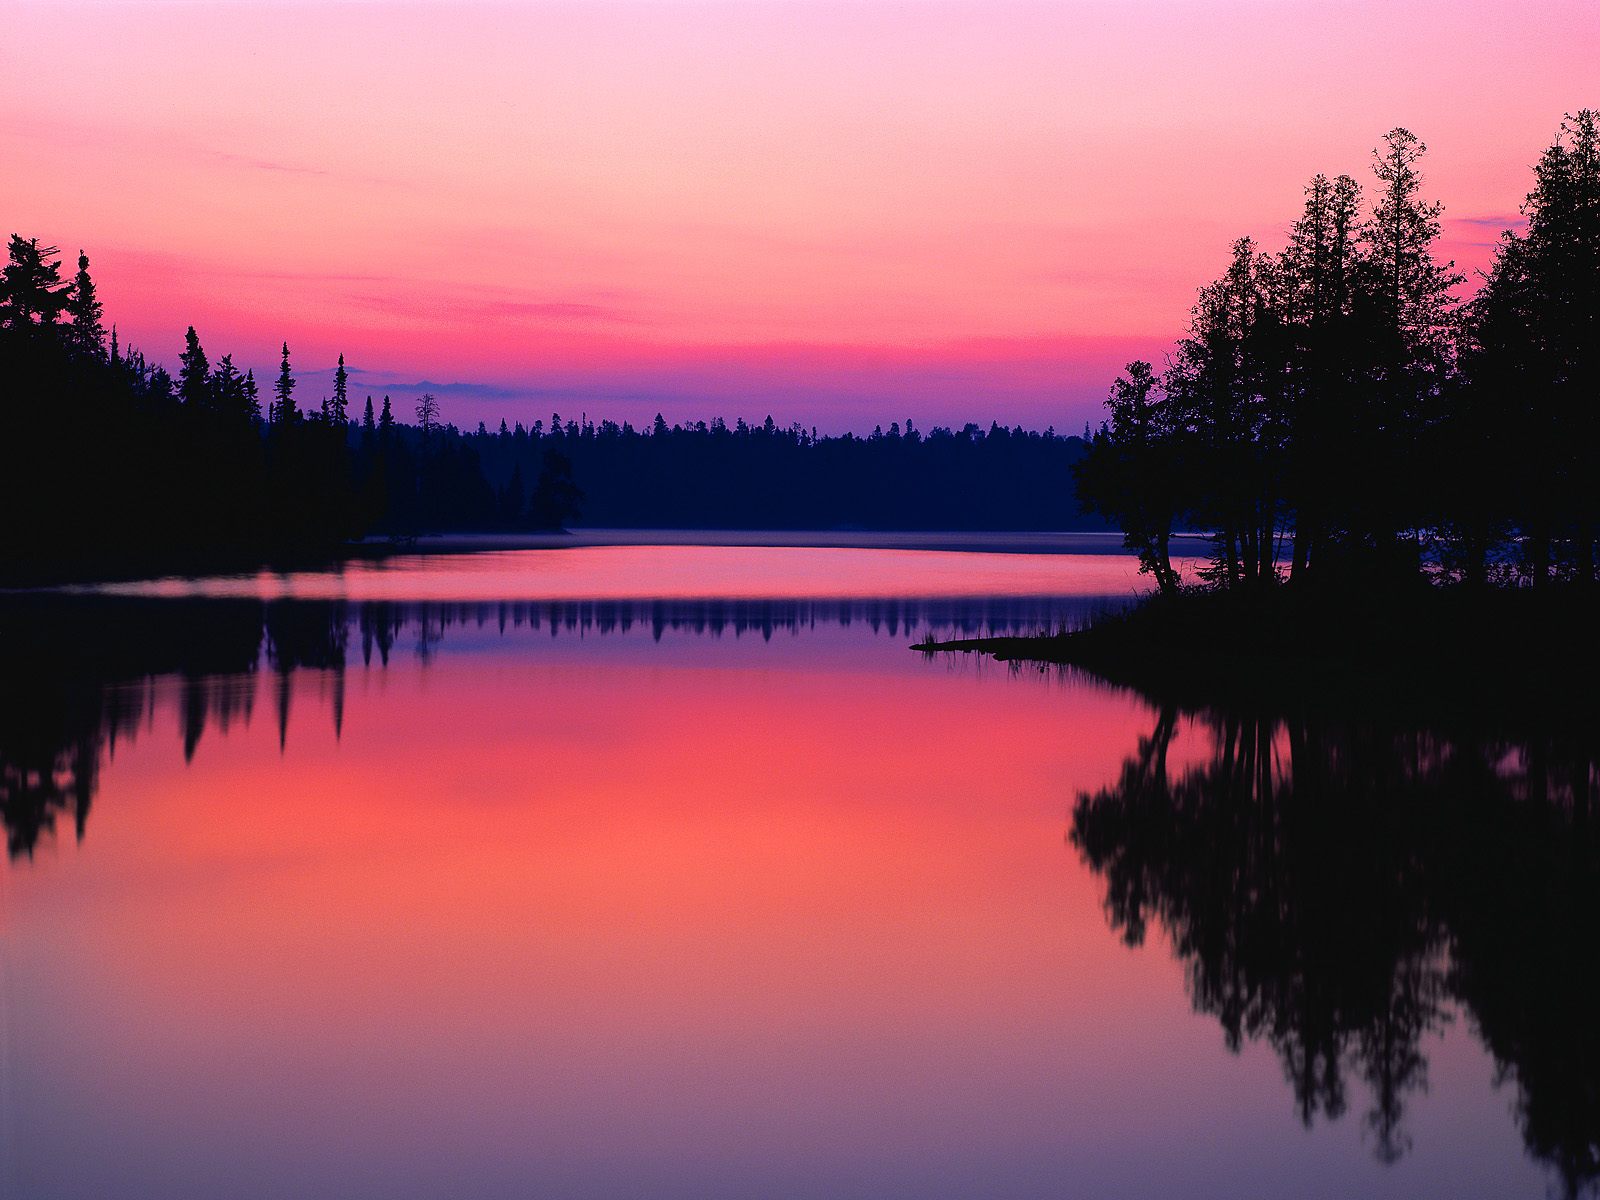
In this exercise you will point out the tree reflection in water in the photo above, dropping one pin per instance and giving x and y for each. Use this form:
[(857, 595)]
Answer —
[(1340, 887), (81, 671)]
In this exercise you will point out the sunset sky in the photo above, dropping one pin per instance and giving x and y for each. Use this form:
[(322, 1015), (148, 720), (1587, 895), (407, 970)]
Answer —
[(840, 214)]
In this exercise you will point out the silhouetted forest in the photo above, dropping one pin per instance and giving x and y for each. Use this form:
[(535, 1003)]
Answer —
[(1337, 412), (118, 465), (719, 476), (1341, 886)]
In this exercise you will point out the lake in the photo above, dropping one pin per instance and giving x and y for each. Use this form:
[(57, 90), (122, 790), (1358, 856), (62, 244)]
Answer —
[(670, 871)]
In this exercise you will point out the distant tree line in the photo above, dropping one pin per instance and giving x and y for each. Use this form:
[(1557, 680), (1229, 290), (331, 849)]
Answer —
[(767, 476), (115, 464), (1337, 412)]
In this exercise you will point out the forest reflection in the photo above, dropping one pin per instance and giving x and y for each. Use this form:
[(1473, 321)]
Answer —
[(82, 672), (1338, 888)]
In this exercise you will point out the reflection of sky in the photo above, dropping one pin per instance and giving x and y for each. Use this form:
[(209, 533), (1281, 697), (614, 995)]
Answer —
[(678, 572), (842, 214), (690, 919)]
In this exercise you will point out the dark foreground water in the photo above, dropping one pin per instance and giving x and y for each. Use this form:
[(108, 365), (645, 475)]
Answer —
[(671, 872)]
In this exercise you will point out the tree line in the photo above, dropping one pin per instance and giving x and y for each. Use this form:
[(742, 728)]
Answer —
[(120, 465), (765, 476), (1337, 411), (116, 464)]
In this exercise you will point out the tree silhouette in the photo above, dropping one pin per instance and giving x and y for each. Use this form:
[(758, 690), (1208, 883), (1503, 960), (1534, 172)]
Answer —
[(31, 291), (427, 414), (85, 312), (194, 373), (336, 409), (1471, 425), (284, 412)]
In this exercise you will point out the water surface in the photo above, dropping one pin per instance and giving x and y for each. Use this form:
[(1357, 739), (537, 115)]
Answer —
[(669, 871)]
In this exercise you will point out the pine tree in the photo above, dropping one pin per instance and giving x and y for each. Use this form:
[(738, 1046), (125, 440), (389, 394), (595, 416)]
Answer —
[(367, 423), (386, 419), (1320, 278), (31, 291), (227, 388), (1412, 291), (194, 373), (336, 410), (284, 412), (84, 309), (252, 397), (1411, 330), (1535, 353)]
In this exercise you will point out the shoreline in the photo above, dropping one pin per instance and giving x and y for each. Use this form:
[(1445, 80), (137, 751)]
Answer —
[(1437, 650)]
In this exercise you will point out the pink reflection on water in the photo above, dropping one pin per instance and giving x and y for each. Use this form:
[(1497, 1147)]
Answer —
[(676, 572)]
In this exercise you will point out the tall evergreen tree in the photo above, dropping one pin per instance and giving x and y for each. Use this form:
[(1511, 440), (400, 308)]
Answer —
[(227, 386), (252, 397), (335, 410), (1534, 353), (84, 310), (194, 373), (1411, 324), (367, 422), (284, 412), (1320, 271)]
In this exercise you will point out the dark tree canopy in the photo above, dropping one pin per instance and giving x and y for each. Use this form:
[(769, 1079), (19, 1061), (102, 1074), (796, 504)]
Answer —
[(1336, 413)]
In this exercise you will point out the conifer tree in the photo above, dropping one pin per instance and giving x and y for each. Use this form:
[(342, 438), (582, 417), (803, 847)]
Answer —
[(1411, 300), (284, 412), (252, 397), (227, 388), (31, 291), (335, 410), (367, 422), (84, 310), (194, 373)]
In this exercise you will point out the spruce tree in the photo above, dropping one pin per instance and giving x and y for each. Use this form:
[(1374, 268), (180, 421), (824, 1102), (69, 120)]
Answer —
[(252, 397), (367, 423), (336, 410), (194, 373), (283, 409), (227, 388), (1411, 335), (84, 309)]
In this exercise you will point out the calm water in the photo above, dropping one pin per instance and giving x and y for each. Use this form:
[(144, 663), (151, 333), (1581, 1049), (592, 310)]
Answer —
[(671, 872)]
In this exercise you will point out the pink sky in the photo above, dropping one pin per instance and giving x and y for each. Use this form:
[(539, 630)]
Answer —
[(840, 214)]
